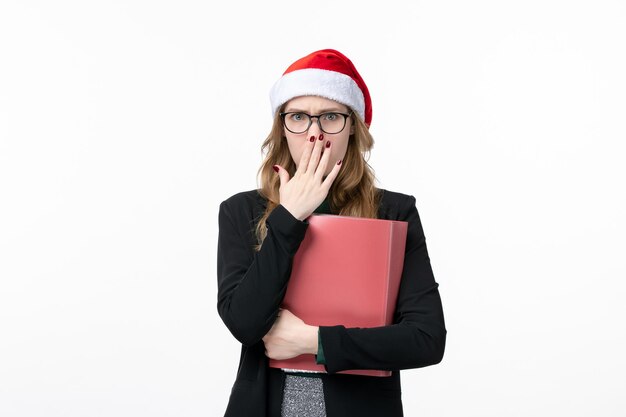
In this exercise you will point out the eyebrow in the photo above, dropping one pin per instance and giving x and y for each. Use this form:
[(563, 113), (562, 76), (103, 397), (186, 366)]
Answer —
[(330, 109)]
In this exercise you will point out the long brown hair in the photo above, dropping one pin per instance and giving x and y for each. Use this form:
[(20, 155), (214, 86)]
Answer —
[(352, 193)]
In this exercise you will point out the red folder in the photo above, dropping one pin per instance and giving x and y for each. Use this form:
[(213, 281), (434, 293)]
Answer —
[(347, 271)]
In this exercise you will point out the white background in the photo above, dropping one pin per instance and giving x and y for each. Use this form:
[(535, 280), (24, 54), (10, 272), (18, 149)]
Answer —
[(124, 124)]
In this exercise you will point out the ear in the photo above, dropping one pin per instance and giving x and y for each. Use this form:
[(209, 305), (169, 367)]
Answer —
[(352, 124)]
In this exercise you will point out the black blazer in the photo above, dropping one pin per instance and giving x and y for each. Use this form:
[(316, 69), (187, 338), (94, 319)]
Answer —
[(251, 286)]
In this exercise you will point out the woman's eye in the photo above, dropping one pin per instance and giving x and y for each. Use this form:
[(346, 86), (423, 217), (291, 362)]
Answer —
[(297, 117), (330, 117)]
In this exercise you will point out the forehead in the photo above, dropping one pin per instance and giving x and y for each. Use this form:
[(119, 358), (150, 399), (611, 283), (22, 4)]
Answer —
[(314, 104)]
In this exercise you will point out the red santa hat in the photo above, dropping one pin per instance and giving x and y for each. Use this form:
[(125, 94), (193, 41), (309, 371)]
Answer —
[(326, 73)]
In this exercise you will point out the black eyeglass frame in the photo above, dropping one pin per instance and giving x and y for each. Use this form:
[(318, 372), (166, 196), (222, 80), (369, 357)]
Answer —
[(311, 116)]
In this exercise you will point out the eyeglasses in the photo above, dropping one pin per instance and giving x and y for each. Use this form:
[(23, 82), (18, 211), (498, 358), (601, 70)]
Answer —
[(299, 122)]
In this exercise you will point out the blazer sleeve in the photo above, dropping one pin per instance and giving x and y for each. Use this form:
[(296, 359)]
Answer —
[(252, 285), (418, 334)]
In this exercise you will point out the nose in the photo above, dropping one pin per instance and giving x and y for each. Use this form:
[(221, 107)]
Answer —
[(315, 129)]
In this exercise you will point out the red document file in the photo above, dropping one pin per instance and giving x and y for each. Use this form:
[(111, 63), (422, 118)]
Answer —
[(347, 271)]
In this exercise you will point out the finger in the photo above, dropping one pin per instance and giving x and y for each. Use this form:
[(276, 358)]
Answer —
[(315, 155), (332, 175), (283, 174), (321, 168), (306, 155)]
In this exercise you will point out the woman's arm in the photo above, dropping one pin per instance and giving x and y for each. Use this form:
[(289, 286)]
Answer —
[(251, 285), (417, 337)]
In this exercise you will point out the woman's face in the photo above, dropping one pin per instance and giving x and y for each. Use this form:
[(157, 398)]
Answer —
[(314, 105)]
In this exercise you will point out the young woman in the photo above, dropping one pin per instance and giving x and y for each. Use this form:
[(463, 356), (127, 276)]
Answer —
[(315, 163)]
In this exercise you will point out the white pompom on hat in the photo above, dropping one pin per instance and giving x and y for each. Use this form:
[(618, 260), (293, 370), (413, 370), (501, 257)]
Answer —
[(326, 73)]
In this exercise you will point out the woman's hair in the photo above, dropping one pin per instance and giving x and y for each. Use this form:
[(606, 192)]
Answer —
[(352, 193)]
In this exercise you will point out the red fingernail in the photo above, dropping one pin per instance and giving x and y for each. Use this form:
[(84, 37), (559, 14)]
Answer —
[(339, 162), (275, 168), (328, 144), (321, 136), (312, 139)]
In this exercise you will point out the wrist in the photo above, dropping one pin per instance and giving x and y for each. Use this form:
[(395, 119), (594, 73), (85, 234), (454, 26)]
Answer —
[(295, 213), (310, 342)]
